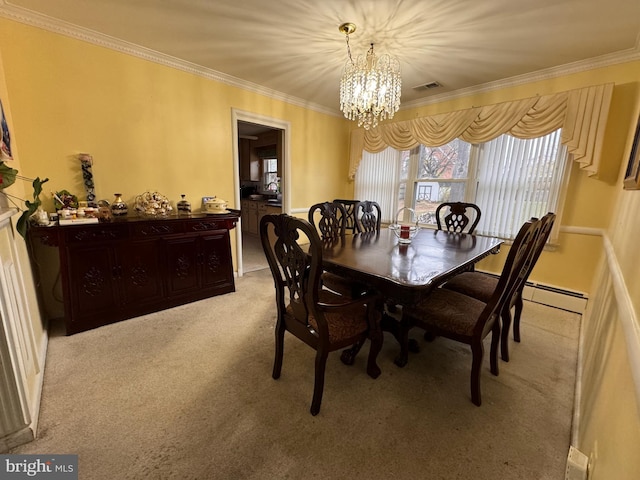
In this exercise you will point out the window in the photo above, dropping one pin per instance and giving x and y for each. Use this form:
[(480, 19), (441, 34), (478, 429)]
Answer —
[(270, 174), (510, 179), (432, 175), (269, 157)]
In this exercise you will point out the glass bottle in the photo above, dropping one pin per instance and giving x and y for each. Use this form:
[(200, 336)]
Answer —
[(118, 207)]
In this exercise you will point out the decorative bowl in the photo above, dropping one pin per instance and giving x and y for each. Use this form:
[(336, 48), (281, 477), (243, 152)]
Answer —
[(406, 225), (152, 204), (217, 205)]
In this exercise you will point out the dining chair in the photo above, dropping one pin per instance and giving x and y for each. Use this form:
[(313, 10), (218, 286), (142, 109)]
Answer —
[(349, 206), (481, 286), (368, 216), (330, 220), (322, 319), (451, 314), (456, 216)]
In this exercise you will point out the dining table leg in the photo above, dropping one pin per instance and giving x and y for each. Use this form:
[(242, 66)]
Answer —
[(348, 356), (375, 334), (400, 332)]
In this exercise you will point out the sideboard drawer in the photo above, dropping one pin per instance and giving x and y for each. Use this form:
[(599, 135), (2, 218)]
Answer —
[(102, 232)]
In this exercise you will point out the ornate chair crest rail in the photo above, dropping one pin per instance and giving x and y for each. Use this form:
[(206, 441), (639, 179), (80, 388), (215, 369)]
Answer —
[(368, 216), (351, 224), (331, 220), (458, 216)]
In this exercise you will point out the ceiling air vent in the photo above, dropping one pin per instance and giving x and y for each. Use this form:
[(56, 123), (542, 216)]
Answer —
[(427, 86)]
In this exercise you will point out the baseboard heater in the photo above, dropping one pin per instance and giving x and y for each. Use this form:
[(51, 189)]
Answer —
[(553, 296)]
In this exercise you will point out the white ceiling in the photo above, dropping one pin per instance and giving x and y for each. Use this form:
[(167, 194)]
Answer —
[(294, 48)]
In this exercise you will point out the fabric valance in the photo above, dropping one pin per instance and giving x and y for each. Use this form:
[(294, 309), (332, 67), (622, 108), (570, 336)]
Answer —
[(582, 115)]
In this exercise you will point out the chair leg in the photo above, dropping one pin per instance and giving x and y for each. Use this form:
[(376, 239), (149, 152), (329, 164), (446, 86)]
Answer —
[(277, 364), (477, 352), (506, 325), (495, 340), (318, 387), (516, 317)]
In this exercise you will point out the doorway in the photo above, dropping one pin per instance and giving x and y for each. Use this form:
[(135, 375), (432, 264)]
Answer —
[(250, 131)]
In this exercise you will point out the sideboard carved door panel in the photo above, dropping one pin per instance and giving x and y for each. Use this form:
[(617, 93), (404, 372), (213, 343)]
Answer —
[(182, 265), (139, 273), (215, 260), (92, 272)]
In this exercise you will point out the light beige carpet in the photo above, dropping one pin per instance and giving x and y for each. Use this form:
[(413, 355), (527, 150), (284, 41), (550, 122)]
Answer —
[(187, 394)]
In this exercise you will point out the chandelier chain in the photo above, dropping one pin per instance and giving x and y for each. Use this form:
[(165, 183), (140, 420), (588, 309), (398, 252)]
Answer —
[(349, 49)]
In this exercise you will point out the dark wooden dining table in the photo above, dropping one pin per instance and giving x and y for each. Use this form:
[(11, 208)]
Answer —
[(404, 273)]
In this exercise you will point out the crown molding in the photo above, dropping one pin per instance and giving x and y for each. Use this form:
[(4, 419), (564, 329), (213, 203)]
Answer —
[(45, 22), (624, 56)]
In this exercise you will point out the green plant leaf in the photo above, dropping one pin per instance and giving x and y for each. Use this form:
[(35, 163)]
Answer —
[(23, 221), (7, 175)]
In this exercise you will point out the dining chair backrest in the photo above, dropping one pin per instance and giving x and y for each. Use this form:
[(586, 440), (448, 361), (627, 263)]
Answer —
[(546, 224), (458, 217), (295, 267), (330, 220), (519, 253), (350, 206), (368, 216)]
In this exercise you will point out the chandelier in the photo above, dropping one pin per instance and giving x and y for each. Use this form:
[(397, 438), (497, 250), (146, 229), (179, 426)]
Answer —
[(370, 85)]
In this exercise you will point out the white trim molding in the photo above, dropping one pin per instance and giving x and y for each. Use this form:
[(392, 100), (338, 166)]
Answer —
[(45, 22), (629, 55), (54, 25), (626, 314), (628, 319)]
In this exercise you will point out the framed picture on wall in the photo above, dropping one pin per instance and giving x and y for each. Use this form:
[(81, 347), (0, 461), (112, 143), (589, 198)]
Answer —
[(5, 139), (632, 176)]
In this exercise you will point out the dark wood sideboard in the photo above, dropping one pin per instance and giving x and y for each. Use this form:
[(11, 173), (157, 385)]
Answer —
[(134, 266)]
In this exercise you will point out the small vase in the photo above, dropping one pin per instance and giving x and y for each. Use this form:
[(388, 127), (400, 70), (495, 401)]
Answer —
[(118, 207), (184, 207)]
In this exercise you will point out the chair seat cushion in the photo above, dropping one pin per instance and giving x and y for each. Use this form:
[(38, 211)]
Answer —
[(347, 322), (448, 311), (473, 284)]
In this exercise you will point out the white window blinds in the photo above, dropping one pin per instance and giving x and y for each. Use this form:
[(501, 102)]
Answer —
[(378, 180), (518, 179)]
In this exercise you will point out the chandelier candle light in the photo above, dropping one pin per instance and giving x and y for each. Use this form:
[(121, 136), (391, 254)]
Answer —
[(370, 86)]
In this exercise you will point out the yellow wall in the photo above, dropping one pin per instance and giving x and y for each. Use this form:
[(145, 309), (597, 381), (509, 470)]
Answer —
[(148, 126)]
